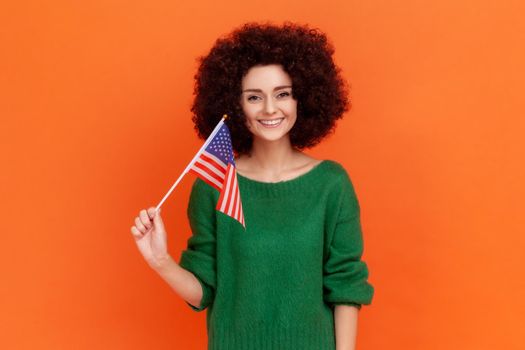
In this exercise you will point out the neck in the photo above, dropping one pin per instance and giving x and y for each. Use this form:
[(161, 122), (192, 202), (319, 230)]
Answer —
[(272, 156)]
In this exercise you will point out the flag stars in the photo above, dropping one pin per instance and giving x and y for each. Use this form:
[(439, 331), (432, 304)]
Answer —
[(221, 146)]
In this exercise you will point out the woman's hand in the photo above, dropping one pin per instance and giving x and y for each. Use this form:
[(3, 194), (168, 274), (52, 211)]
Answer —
[(150, 237)]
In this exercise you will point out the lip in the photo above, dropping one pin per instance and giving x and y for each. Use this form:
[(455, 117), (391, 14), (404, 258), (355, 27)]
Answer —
[(271, 126), (266, 120)]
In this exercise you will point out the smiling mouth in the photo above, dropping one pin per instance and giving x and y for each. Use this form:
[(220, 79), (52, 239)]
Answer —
[(271, 123)]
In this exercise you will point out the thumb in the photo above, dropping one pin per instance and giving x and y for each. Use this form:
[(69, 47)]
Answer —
[(157, 220)]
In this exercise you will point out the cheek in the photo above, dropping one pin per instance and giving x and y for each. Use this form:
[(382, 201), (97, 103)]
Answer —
[(249, 118), (250, 113), (291, 109)]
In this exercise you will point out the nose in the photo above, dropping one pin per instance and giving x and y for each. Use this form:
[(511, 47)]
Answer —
[(269, 106)]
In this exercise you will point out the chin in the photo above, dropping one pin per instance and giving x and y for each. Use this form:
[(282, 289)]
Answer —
[(272, 138)]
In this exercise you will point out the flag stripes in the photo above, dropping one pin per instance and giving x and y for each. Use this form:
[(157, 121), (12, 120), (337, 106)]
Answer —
[(221, 173)]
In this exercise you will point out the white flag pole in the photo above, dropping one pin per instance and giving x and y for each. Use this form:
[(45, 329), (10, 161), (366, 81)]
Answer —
[(208, 140)]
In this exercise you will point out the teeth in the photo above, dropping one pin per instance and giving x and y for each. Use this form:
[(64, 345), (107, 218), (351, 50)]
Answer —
[(271, 122)]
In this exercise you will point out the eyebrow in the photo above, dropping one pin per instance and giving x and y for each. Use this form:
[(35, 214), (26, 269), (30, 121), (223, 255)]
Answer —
[(276, 88)]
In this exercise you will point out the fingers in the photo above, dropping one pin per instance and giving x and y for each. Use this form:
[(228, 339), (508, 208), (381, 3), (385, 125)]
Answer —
[(136, 233), (140, 226), (151, 212), (145, 220), (155, 215), (142, 223)]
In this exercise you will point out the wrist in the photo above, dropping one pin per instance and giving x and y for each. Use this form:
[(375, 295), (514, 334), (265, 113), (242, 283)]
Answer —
[(161, 263)]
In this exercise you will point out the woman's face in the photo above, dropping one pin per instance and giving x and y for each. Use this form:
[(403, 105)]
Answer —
[(267, 102)]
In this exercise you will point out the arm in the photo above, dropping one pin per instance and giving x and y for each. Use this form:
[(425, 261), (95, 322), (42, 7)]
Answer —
[(182, 281), (345, 274), (345, 326), (199, 256)]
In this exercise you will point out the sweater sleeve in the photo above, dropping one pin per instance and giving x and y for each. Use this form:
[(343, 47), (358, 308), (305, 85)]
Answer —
[(199, 255), (345, 275)]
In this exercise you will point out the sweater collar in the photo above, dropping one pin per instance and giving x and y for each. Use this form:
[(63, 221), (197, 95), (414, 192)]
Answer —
[(252, 187)]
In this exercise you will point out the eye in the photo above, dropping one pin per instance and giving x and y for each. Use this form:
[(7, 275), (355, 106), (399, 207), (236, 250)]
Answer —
[(284, 94), (252, 98)]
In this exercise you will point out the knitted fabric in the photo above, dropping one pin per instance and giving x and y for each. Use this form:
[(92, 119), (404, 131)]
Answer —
[(275, 284)]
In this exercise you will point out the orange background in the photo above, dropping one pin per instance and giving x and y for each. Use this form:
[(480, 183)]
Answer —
[(95, 124)]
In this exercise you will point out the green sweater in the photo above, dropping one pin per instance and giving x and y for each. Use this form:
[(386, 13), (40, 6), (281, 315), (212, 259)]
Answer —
[(274, 286)]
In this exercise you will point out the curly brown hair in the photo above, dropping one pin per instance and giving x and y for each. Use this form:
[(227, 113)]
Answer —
[(304, 53)]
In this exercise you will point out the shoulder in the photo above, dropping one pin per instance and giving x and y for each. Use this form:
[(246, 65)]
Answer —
[(335, 171), (339, 182), (342, 190), (201, 204), (334, 166), (202, 192), (199, 184)]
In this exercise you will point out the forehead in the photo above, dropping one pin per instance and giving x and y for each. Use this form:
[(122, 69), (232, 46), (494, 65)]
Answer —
[(265, 77)]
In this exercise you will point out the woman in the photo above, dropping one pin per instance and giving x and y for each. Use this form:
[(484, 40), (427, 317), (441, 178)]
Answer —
[(294, 279)]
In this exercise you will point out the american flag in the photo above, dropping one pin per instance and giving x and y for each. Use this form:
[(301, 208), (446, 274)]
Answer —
[(215, 166)]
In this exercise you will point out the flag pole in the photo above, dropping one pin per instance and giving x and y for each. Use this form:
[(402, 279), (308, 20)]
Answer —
[(203, 147)]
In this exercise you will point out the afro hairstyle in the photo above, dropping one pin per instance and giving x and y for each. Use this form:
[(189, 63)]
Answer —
[(304, 53)]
